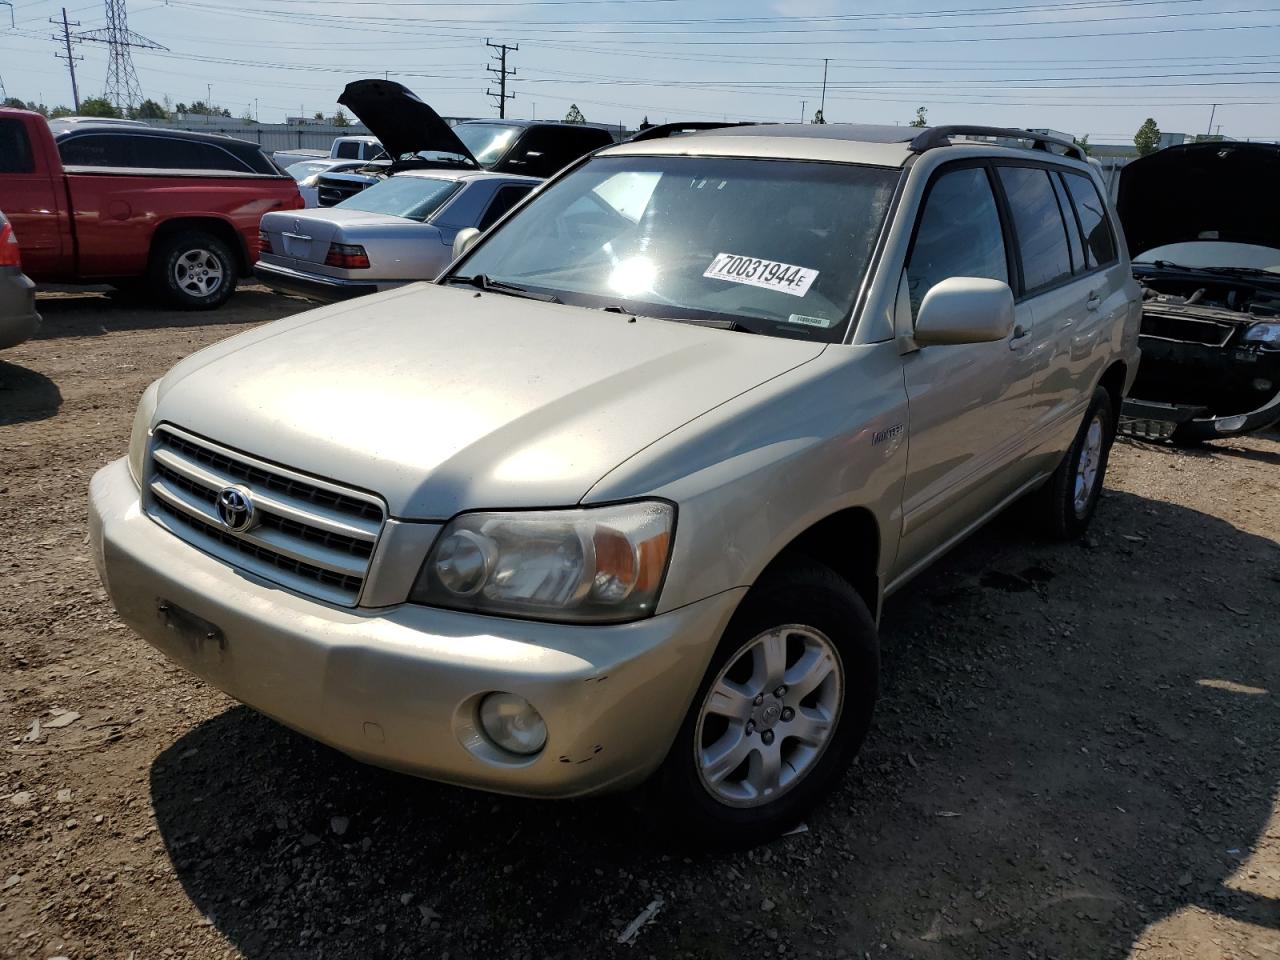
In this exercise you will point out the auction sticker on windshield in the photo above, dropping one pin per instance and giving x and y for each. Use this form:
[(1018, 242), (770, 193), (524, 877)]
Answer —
[(769, 274)]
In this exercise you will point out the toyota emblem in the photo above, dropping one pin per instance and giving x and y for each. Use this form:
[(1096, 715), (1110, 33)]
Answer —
[(235, 509)]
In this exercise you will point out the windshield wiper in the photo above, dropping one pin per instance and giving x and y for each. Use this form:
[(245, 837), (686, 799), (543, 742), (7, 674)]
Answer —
[(710, 322), (483, 281)]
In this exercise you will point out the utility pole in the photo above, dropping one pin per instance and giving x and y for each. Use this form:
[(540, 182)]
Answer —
[(822, 109), (803, 104), (501, 72), (1209, 131), (70, 57)]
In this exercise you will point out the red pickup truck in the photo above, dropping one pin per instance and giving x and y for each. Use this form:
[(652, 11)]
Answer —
[(134, 206)]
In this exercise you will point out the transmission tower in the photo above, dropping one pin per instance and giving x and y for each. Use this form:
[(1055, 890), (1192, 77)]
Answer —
[(122, 87), (501, 72)]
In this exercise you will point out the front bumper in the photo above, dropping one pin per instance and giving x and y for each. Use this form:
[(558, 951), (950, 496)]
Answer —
[(311, 285), (18, 317), (399, 686), (1202, 391)]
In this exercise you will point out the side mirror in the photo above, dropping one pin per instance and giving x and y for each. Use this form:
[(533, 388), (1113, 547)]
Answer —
[(465, 240), (965, 310)]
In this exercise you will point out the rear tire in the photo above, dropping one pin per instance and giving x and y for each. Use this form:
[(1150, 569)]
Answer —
[(1070, 498), (804, 626), (193, 270)]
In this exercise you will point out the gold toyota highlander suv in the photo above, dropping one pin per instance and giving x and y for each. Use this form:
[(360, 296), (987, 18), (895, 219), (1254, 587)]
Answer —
[(616, 500)]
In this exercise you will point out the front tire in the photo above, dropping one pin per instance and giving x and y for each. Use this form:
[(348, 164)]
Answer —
[(781, 712), (1070, 498), (193, 270)]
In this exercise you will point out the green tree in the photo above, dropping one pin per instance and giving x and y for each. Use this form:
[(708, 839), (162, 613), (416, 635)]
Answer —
[(59, 111), (17, 104), (1147, 139), (319, 116), (818, 117), (574, 115), (921, 119), (1083, 144), (149, 110), (340, 119), (645, 124), (98, 107)]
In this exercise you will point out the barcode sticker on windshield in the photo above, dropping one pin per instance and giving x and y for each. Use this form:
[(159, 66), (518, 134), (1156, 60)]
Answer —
[(769, 274)]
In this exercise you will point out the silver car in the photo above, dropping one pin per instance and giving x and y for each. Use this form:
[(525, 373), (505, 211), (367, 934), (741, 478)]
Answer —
[(18, 317), (398, 231), (619, 497)]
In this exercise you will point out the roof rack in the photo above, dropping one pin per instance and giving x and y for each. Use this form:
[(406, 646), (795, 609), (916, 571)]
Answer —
[(941, 137), (664, 130)]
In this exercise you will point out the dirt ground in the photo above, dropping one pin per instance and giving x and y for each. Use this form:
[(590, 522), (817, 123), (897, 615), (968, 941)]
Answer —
[(1077, 752)]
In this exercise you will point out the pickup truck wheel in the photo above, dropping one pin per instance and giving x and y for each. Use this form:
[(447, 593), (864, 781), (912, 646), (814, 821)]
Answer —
[(1070, 497), (781, 712), (194, 271)]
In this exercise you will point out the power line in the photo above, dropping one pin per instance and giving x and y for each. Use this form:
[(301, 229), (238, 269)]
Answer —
[(501, 72), (70, 57)]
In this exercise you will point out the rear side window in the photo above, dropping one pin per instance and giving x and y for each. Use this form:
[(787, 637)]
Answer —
[(1073, 228), (349, 150), (176, 154), (97, 150), (15, 148), (507, 198), (1038, 224), (1100, 243), (958, 234)]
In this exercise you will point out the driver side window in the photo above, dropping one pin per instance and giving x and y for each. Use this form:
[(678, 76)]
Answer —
[(958, 234)]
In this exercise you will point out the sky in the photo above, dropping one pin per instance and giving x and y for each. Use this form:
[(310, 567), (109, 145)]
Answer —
[(1095, 67)]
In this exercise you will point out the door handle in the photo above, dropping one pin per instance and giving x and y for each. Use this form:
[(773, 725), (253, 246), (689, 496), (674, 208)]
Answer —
[(1094, 301), (1020, 335)]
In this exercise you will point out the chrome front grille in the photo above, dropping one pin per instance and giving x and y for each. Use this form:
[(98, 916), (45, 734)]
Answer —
[(310, 535)]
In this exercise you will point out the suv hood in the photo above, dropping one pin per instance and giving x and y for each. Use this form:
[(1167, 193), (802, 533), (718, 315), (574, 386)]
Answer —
[(1220, 190), (394, 114), (442, 399)]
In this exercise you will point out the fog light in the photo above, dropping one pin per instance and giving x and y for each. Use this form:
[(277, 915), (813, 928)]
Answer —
[(512, 723)]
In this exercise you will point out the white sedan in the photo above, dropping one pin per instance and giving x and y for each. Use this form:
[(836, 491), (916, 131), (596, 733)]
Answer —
[(398, 231), (307, 173)]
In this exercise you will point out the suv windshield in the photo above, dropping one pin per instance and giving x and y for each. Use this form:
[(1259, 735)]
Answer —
[(414, 198), (778, 246), (487, 141)]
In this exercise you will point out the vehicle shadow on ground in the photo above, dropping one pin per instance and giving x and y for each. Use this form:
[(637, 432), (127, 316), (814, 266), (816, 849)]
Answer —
[(1073, 742), (26, 396), (95, 313)]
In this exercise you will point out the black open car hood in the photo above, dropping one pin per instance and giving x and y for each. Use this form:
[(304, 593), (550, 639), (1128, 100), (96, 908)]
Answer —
[(1196, 190), (405, 124)]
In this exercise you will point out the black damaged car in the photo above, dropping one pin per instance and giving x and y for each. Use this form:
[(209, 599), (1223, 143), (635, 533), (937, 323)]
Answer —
[(1203, 226)]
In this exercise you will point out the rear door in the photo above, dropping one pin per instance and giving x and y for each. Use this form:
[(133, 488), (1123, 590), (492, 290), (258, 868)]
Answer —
[(32, 198), (970, 404), (1047, 242)]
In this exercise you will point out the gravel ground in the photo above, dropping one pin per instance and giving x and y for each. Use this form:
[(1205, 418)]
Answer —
[(1076, 753)]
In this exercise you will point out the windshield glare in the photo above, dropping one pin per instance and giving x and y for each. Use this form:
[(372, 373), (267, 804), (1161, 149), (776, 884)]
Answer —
[(779, 246), (486, 141), (414, 198)]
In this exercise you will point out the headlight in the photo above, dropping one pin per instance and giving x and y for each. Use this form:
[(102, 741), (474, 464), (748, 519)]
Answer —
[(597, 564), (142, 432), (1262, 333)]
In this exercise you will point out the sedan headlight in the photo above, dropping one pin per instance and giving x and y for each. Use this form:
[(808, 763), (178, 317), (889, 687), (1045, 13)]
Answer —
[(596, 564), (142, 431), (1263, 333)]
